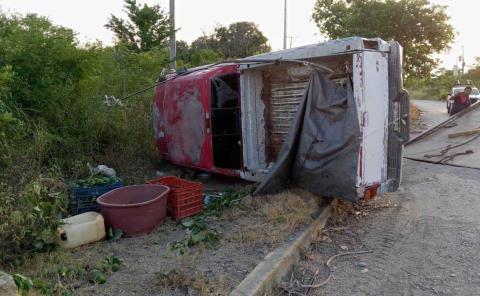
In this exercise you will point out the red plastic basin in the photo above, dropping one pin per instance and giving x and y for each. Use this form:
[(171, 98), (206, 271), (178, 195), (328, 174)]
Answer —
[(135, 209)]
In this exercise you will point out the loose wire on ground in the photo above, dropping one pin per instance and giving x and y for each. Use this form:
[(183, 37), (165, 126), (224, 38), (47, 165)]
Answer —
[(330, 274)]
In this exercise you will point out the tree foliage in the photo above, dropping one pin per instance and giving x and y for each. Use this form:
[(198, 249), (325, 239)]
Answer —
[(422, 28), (191, 56), (238, 40), (147, 27), (44, 63), (439, 84), (54, 115)]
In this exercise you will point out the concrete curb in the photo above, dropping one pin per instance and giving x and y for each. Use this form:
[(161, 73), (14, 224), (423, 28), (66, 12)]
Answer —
[(279, 262)]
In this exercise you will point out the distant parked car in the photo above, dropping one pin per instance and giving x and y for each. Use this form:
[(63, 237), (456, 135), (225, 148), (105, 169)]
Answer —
[(458, 88)]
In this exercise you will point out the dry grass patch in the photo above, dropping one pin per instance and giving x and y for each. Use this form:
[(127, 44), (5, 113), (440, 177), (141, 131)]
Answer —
[(269, 219), (181, 280), (341, 210), (414, 114)]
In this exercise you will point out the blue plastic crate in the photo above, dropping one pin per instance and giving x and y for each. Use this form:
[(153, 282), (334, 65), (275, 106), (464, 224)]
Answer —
[(85, 199)]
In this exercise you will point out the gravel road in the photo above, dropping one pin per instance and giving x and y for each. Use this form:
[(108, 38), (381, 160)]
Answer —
[(433, 112), (425, 242)]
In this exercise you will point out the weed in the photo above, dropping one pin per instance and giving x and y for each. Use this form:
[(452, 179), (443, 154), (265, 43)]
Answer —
[(30, 222), (109, 264), (196, 229), (23, 284), (179, 279), (96, 277), (114, 234), (196, 232), (56, 278), (223, 200)]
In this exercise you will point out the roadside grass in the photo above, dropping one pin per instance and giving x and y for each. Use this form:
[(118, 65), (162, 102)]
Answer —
[(59, 272), (232, 218), (266, 219), (183, 280), (414, 114)]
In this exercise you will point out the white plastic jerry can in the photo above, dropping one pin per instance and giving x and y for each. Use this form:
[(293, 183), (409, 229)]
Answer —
[(81, 229)]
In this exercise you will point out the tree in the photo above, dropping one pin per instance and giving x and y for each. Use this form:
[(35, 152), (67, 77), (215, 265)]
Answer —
[(147, 27), (42, 63), (195, 55), (238, 40), (422, 28)]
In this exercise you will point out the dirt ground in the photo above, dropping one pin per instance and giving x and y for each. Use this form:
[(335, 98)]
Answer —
[(424, 243), (426, 114), (247, 232), (423, 240)]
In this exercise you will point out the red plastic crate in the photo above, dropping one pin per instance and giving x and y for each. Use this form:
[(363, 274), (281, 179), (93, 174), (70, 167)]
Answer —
[(185, 198), (186, 212), (187, 203)]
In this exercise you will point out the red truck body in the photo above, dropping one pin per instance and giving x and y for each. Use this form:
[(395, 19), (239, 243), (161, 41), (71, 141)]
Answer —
[(233, 118), (182, 119)]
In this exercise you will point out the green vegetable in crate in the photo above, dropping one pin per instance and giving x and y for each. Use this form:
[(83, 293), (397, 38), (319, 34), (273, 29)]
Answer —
[(94, 180)]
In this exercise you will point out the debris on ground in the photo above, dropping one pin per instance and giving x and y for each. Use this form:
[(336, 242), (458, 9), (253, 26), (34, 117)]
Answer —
[(222, 244), (452, 142), (338, 239)]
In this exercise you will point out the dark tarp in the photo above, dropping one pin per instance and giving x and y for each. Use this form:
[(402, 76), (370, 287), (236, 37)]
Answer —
[(320, 153)]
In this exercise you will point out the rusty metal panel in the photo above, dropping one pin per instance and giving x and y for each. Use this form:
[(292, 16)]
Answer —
[(284, 100), (182, 114)]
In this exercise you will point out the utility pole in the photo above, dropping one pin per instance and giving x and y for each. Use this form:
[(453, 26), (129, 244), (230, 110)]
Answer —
[(173, 45), (285, 26), (291, 40)]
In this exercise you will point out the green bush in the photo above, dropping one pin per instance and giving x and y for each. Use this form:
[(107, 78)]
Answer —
[(54, 118), (29, 219), (63, 105)]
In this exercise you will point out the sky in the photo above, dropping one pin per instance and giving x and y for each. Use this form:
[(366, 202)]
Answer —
[(195, 17)]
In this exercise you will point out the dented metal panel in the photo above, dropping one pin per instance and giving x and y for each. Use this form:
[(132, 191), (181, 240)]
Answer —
[(182, 114), (370, 77), (325, 49)]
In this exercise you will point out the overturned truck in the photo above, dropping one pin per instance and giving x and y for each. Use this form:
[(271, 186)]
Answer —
[(330, 117)]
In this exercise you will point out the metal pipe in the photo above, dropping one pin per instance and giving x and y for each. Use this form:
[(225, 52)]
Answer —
[(285, 26), (173, 46)]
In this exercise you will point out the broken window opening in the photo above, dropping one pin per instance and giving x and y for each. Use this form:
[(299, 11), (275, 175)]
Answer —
[(226, 126)]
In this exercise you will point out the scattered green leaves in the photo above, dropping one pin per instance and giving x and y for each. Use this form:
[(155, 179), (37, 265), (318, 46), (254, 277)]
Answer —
[(224, 200), (195, 227), (31, 217), (106, 265), (110, 264), (114, 234), (196, 232), (96, 277), (23, 283)]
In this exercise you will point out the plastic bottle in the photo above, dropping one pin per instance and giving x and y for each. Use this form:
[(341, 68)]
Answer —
[(81, 229)]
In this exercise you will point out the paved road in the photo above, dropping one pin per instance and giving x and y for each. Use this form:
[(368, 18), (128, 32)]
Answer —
[(425, 239), (434, 112)]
